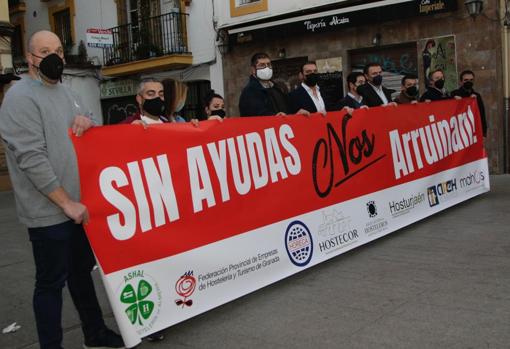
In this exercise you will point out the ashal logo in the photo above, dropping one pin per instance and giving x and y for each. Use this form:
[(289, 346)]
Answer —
[(441, 192), (372, 209), (406, 204), (475, 179), (142, 296), (299, 243), (333, 223), (185, 287), (377, 225)]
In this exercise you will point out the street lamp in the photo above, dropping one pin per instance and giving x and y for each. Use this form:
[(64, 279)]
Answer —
[(222, 40), (474, 7)]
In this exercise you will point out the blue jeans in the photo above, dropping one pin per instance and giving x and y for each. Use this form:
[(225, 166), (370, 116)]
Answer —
[(62, 253)]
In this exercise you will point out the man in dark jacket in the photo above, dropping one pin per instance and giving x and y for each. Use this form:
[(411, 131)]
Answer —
[(307, 97), (435, 88), (373, 92), (467, 79), (355, 82), (260, 97), (409, 90)]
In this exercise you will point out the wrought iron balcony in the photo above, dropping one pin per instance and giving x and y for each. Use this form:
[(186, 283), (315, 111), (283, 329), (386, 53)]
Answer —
[(147, 38)]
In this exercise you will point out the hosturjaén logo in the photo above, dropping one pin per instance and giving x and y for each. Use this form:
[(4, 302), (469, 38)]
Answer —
[(371, 209), (299, 243)]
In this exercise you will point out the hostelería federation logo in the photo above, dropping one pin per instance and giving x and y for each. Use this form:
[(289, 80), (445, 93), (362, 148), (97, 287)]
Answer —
[(299, 243), (185, 287)]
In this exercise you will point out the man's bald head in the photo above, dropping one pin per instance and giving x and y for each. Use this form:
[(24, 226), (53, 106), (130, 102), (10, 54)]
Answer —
[(41, 44), (42, 38)]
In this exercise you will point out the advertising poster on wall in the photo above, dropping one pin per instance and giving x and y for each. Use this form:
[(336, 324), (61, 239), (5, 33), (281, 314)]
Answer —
[(439, 53)]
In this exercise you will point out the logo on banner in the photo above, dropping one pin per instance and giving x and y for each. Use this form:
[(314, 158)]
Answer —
[(299, 243), (372, 209), (338, 231), (406, 205), (374, 225), (142, 296), (441, 192), (185, 287), (475, 179)]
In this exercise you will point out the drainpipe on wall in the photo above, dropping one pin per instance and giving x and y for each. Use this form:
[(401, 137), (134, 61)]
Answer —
[(506, 83)]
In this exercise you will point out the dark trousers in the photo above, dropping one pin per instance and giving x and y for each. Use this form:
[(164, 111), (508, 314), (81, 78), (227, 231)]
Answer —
[(62, 253)]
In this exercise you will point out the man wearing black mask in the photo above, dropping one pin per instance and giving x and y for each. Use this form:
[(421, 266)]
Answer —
[(307, 98), (373, 92), (409, 90), (150, 99), (35, 117), (467, 79), (435, 89), (353, 100)]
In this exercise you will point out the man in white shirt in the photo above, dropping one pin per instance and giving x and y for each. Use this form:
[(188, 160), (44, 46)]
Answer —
[(307, 97), (150, 99)]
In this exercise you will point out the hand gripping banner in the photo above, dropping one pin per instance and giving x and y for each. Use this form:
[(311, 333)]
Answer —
[(184, 218)]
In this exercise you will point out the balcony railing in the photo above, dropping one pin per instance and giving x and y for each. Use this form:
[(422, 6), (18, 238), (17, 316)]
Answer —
[(146, 38)]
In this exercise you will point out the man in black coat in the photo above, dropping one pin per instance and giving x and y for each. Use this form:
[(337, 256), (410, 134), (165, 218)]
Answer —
[(467, 79), (355, 82), (260, 96), (373, 92), (307, 98), (435, 87)]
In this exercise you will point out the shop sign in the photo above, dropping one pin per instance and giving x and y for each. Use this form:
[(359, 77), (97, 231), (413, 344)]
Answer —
[(118, 88)]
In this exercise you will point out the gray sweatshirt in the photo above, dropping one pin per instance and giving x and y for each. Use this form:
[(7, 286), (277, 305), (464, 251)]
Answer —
[(34, 123)]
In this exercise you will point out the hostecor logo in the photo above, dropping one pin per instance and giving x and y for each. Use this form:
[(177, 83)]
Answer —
[(299, 243)]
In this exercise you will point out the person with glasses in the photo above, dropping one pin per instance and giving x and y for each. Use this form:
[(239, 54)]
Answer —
[(353, 100), (261, 97)]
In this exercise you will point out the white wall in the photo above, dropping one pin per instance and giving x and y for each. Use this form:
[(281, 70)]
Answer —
[(275, 8), (88, 89), (89, 14)]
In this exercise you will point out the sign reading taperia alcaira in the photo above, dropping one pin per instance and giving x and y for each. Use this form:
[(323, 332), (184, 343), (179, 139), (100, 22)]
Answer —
[(185, 218)]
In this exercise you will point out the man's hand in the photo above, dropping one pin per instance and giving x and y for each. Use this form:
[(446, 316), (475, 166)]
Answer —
[(140, 122), (473, 96), (194, 122), (72, 209), (414, 102), (457, 97), (391, 104), (348, 110), (76, 211), (215, 117), (281, 114), (303, 112), (364, 107), (81, 124)]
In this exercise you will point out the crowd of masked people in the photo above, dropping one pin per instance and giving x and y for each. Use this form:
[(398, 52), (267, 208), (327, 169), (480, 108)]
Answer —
[(261, 96), (36, 114)]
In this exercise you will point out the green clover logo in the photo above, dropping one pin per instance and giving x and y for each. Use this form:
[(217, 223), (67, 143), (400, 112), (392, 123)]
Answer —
[(139, 308)]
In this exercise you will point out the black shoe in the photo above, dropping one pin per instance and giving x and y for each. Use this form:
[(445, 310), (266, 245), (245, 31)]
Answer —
[(104, 339), (156, 336)]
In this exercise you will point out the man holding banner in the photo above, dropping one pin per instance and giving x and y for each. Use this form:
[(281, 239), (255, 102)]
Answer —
[(34, 121)]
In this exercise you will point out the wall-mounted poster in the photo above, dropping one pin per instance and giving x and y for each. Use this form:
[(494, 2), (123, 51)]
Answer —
[(244, 7), (439, 53)]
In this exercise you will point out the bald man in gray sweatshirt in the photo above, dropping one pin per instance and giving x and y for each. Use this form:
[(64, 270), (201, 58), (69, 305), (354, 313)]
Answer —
[(35, 117)]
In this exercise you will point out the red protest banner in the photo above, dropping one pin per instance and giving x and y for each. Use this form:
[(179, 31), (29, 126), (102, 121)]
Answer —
[(161, 191)]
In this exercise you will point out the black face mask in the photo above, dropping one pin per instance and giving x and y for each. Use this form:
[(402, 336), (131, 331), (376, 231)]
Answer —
[(220, 112), (155, 106), (468, 85), (439, 84), (359, 89), (412, 91), (51, 66), (377, 80), (312, 79)]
